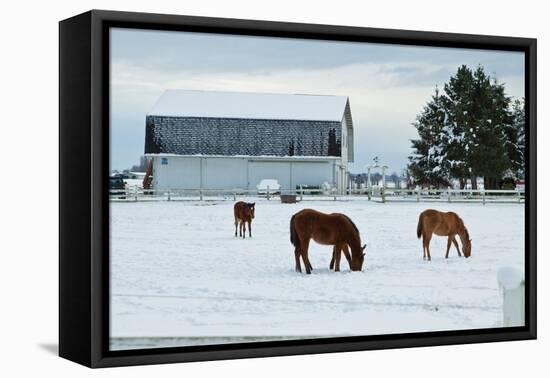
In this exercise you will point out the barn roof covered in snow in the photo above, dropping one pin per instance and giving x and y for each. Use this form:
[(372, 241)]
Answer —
[(187, 122), (247, 105)]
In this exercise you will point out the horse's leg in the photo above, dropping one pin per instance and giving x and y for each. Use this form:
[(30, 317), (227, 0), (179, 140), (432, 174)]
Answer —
[(423, 248), (244, 229), (456, 245), (297, 257), (240, 228), (338, 257), (449, 242), (345, 249), (250, 228), (304, 250), (333, 258), (426, 239), (236, 223), (309, 264)]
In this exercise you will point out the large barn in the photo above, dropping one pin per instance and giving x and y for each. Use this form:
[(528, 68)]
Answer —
[(233, 140)]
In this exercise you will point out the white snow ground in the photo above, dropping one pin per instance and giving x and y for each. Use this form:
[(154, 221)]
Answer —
[(180, 277)]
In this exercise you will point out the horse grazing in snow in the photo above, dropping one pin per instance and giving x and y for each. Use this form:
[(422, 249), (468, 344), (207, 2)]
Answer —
[(244, 213), (328, 229), (443, 224)]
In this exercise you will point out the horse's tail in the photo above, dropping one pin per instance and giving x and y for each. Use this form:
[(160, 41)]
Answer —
[(293, 235), (419, 227)]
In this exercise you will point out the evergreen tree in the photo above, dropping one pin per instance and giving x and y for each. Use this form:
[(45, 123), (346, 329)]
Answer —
[(460, 133), (516, 138), (489, 157), (469, 131), (429, 163)]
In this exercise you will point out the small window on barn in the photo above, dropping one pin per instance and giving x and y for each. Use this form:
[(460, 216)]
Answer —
[(164, 161)]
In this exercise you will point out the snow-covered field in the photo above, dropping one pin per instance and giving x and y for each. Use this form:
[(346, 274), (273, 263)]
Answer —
[(180, 277)]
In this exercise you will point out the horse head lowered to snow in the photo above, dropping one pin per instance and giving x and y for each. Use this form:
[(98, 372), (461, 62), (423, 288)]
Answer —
[(328, 229), (443, 224)]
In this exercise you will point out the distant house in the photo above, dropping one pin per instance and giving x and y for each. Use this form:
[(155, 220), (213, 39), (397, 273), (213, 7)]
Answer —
[(228, 140)]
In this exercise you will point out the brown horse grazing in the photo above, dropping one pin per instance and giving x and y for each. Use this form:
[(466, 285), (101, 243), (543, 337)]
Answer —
[(244, 213), (443, 224), (328, 229), (336, 259)]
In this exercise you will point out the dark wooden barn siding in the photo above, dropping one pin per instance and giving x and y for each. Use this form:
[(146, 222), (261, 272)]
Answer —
[(253, 137)]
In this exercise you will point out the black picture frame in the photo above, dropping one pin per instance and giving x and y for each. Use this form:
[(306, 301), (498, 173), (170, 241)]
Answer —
[(84, 197)]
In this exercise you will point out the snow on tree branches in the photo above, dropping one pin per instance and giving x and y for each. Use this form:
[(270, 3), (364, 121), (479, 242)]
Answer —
[(472, 129)]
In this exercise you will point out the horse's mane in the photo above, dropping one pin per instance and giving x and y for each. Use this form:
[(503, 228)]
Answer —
[(461, 222), (353, 224), (466, 232)]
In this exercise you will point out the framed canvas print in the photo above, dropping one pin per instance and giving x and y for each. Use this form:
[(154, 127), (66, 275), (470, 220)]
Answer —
[(234, 188)]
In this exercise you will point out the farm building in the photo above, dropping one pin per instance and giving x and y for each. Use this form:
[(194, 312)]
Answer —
[(233, 140)]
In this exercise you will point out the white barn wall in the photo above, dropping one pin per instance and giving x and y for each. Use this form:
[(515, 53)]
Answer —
[(180, 172), (311, 172), (184, 172), (223, 173), (259, 170), (344, 142)]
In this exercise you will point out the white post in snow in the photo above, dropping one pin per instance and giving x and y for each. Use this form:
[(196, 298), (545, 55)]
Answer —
[(511, 282), (383, 191), (267, 192), (369, 184)]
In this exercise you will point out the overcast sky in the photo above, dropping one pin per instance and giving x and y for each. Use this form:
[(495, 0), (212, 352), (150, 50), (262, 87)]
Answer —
[(387, 84)]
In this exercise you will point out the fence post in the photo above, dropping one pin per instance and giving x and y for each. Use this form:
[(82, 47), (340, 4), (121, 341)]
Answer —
[(267, 193), (200, 194), (448, 194), (519, 195), (301, 193), (483, 195), (512, 288), (135, 194), (383, 194), (418, 195), (169, 198), (234, 196)]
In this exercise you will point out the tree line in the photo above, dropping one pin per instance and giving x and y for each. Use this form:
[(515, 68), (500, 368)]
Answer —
[(470, 129)]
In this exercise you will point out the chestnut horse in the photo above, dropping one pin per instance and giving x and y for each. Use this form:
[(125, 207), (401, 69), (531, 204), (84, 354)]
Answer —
[(244, 213), (443, 224), (328, 229)]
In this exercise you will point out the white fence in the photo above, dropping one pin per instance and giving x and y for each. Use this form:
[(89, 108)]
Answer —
[(371, 194), (447, 195)]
